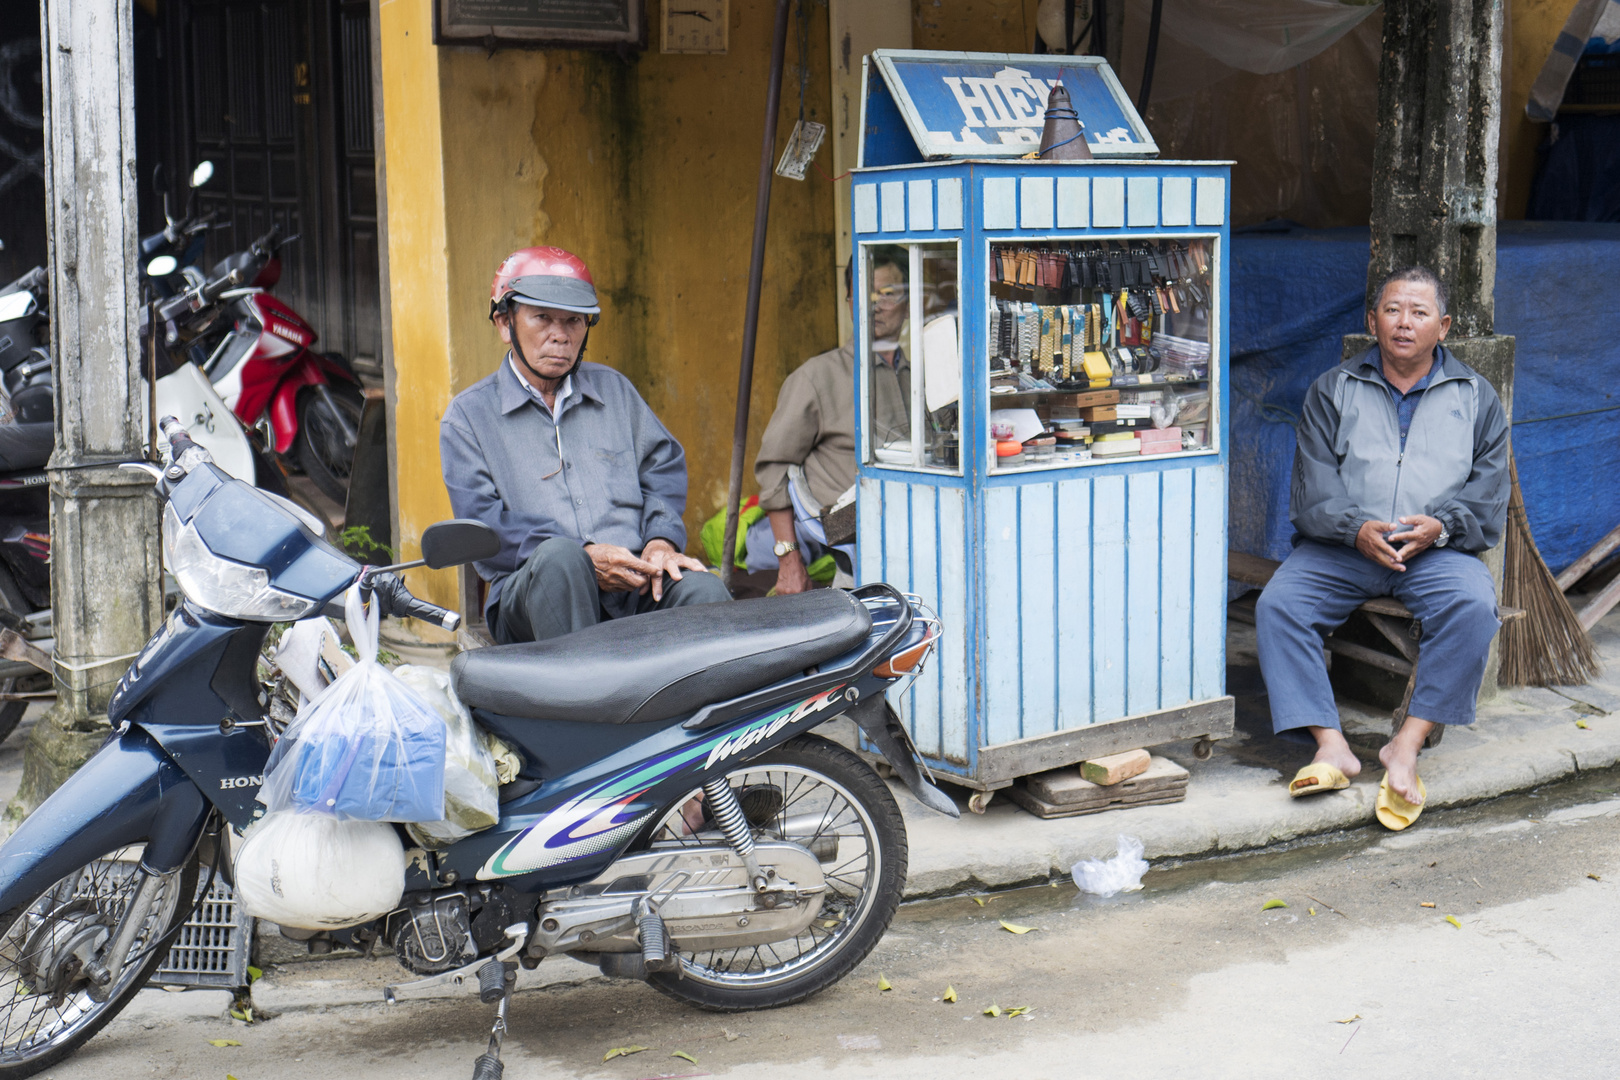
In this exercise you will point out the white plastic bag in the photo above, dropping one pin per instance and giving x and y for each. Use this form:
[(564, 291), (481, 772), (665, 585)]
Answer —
[(368, 748), (471, 788), (1122, 873), (319, 873)]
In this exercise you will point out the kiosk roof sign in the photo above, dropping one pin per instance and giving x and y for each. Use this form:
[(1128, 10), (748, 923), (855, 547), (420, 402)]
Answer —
[(994, 104)]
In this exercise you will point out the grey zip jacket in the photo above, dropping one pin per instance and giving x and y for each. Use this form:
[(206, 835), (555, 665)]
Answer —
[(1349, 467)]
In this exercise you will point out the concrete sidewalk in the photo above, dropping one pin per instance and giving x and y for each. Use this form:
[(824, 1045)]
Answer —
[(1238, 799)]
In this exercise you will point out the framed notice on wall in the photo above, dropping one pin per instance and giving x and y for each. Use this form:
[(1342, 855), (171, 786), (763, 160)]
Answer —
[(567, 24)]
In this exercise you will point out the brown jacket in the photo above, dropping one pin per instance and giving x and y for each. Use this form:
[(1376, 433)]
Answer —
[(814, 425)]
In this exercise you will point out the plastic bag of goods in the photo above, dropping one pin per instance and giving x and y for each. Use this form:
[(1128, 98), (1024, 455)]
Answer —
[(471, 788), (368, 748), (1122, 873), (318, 873)]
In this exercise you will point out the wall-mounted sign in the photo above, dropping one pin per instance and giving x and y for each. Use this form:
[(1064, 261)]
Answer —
[(695, 26), (994, 104), (569, 24)]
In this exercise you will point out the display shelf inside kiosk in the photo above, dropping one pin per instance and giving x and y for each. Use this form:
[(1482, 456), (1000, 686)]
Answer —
[(1099, 350)]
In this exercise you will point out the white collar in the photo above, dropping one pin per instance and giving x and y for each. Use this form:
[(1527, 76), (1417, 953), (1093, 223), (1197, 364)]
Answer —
[(563, 391)]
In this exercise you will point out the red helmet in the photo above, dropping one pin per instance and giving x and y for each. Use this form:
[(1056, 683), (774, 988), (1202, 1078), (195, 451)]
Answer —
[(545, 277)]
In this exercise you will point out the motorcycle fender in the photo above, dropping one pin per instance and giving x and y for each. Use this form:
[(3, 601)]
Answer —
[(872, 714), (284, 403), (128, 792)]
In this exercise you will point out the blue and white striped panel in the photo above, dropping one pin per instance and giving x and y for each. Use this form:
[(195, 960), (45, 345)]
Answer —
[(1103, 599), (922, 707), (953, 613)]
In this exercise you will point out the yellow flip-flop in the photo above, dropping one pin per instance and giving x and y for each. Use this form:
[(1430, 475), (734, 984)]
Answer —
[(1317, 777), (1394, 812)]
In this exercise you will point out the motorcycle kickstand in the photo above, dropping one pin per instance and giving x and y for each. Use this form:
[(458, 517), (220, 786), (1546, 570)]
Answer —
[(496, 982)]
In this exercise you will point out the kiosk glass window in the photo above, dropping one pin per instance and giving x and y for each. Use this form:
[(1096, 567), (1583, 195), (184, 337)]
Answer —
[(912, 407), (1101, 350)]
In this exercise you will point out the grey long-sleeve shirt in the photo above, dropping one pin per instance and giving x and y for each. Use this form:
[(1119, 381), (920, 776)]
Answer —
[(620, 477)]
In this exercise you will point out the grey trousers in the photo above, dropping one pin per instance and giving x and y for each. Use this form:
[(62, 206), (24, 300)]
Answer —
[(555, 593)]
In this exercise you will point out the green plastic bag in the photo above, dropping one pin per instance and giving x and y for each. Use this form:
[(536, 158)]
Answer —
[(713, 533)]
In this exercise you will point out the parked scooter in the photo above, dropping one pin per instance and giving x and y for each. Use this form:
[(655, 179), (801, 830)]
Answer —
[(305, 405), (777, 895)]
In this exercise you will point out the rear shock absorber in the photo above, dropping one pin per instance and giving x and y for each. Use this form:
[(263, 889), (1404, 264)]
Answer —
[(728, 814)]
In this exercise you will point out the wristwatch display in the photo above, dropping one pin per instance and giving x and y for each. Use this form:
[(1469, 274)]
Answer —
[(1445, 536), (784, 547)]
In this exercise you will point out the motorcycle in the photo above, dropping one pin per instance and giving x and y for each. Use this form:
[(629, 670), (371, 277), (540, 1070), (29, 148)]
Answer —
[(788, 882), (257, 352)]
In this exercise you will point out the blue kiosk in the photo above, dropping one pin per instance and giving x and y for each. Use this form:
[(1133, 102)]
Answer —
[(1041, 406)]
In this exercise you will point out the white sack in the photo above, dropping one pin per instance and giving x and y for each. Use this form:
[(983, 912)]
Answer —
[(318, 873)]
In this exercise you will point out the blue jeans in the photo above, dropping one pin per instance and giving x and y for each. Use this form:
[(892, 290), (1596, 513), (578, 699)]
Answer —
[(1319, 585)]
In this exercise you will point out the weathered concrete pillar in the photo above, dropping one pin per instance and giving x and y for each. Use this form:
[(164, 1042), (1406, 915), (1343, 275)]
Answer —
[(106, 571), (1434, 178)]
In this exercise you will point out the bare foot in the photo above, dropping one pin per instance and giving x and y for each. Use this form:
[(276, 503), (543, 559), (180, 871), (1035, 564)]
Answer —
[(1400, 755), (1331, 749)]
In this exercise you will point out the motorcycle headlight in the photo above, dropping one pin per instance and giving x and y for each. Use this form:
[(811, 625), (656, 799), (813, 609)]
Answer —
[(232, 589)]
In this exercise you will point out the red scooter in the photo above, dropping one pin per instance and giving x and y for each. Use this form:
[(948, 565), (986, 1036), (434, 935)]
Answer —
[(305, 405)]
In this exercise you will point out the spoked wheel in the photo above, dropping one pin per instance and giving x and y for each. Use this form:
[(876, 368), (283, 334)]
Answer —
[(326, 440), (47, 1010), (816, 794)]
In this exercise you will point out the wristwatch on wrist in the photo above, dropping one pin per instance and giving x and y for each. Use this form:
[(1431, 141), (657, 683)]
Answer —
[(1444, 537), (785, 547)]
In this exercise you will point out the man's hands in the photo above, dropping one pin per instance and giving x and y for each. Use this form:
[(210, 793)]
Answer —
[(1415, 533), (618, 569)]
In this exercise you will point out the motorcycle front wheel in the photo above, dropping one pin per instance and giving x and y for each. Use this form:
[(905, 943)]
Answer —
[(817, 794), (46, 1009)]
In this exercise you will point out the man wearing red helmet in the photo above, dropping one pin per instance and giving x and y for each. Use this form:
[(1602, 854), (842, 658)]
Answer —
[(567, 463)]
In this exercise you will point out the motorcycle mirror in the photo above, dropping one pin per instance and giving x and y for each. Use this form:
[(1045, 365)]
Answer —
[(162, 266), (451, 543), (203, 173)]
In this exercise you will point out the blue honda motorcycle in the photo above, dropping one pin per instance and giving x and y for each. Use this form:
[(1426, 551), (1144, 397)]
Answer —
[(674, 820)]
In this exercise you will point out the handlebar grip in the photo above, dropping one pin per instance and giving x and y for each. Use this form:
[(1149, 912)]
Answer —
[(397, 600), (179, 438)]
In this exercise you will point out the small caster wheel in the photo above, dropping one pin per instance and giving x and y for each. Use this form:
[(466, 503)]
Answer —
[(1204, 749), (979, 801), (884, 769)]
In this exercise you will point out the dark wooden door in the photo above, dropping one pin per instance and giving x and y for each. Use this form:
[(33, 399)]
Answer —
[(277, 93)]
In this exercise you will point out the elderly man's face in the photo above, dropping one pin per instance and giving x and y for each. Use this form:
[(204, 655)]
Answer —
[(891, 302), (550, 337), (1408, 323)]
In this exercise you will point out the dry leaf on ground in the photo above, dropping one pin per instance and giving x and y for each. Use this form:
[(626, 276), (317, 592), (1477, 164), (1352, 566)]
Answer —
[(223, 1042), (1349, 1020), (1452, 919), (684, 1056), (883, 983), (949, 995), (1272, 904), (622, 1051), (1014, 928)]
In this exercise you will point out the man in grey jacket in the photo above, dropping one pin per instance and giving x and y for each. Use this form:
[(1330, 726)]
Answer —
[(566, 462), (1400, 481)]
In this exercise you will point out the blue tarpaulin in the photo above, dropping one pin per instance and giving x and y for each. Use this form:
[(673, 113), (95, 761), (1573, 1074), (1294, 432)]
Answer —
[(1297, 292)]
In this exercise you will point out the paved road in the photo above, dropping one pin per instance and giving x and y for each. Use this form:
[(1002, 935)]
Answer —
[(1187, 978)]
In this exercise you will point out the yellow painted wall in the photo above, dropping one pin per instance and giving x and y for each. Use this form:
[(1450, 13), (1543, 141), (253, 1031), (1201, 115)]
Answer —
[(645, 169)]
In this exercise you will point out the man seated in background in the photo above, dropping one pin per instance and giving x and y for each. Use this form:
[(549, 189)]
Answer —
[(810, 440)]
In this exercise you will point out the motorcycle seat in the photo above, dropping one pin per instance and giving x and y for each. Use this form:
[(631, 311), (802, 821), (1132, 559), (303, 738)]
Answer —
[(25, 446), (664, 664)]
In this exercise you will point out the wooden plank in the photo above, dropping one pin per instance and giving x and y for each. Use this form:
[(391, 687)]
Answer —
[(1142, 550), (1037, 557), (1209, 582), (1600, 604), (1065, 787), (1115, 768), (1108, 598), (925, 693), (1002, 642), (1047, 811), (1074, 603), (897, 535), (1395, 635), (955, 703), (1583, 565), (1250, 569), (1005, 762), (1369, 656), (869, 536), (1176, 628)]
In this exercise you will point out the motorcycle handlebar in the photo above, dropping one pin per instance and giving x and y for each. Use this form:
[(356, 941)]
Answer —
[(395, 599)]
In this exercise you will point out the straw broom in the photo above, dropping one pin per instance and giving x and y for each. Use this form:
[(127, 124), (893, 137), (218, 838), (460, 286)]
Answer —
[(1548, 647)]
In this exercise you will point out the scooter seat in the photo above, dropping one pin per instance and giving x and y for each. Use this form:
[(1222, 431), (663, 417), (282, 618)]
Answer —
[(664, 664), (25, 446)]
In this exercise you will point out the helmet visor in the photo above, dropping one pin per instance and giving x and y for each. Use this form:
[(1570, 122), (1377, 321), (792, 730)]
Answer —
[(555, 291)]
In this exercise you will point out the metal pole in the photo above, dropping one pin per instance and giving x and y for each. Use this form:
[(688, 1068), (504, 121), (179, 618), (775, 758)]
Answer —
[(1152, 56), (756, 271)]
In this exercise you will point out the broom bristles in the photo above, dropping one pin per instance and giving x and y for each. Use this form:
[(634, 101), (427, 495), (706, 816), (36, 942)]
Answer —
[(1548, 647)]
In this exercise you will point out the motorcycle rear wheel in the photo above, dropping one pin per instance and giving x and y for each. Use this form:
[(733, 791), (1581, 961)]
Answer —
[(843, 801), (322, 451), (46, 1012)]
